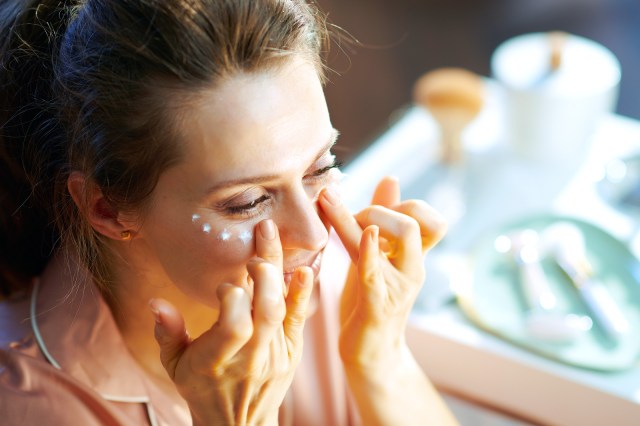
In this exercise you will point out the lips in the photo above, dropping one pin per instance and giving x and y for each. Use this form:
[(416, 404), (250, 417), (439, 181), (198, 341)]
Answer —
[(314, 263)]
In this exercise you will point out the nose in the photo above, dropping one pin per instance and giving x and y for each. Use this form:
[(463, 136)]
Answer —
[(300, 225)]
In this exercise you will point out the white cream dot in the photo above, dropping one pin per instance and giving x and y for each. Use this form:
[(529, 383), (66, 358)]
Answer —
[(206, 228), (246, 236)]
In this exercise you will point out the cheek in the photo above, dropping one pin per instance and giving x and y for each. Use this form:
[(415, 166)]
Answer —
[(236, 237), (228, 243), (198, 254)]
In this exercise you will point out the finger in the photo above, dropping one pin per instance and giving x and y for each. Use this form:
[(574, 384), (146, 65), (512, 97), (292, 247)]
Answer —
[(269, 307), (387, 192), (402, 232), (369, 271), (268, 245), (235, 326), (229, 334), (170, 333), (433, 225), (342, 220), (298, 298)]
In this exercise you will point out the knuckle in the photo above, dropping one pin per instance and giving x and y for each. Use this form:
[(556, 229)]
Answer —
[(273, 312), (235, 292), (438, 222), (408, 226), (368, 276), (441, 224), (267, 269), (414, 206), (240, 331)]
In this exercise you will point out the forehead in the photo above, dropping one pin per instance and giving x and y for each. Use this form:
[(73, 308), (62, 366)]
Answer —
[(267, 121)]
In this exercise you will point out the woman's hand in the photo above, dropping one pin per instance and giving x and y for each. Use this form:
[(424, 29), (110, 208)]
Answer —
[(386, 242), (239, 371)]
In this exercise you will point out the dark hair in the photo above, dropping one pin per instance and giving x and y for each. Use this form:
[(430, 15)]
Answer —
[(99, 86)]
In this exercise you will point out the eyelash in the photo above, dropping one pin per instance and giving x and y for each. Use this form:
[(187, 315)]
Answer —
[(321, 173), (257, 206), (248, 209)]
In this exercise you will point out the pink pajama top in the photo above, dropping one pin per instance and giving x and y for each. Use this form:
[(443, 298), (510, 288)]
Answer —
[(64, 362)]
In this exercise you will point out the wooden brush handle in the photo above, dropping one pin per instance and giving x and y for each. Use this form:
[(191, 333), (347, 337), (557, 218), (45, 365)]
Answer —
[(454, 97)]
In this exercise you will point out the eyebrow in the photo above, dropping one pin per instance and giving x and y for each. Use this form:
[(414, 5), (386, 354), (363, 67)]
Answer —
[(333, 138)]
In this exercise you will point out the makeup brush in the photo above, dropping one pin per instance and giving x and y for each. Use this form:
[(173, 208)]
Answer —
[(454, 97)]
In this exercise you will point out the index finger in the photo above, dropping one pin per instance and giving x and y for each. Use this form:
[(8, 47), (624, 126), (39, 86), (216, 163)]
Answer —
[(342, 221), (401, 230), (433, 226), (268, 246)]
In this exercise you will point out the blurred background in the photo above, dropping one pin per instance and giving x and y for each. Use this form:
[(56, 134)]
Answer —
[(402, 39)]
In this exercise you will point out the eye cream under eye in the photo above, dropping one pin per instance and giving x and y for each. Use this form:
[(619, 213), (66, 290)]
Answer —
[(224, 235), (246, 236)]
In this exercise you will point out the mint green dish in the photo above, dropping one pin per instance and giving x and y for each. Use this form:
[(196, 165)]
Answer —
[(493, 298)]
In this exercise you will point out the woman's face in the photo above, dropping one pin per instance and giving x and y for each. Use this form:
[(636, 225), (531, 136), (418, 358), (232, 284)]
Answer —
[(257, 147)]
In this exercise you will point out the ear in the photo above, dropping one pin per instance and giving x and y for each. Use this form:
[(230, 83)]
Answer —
[(102, 216)]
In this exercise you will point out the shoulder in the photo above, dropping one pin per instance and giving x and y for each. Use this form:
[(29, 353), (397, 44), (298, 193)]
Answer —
[(31, 390)]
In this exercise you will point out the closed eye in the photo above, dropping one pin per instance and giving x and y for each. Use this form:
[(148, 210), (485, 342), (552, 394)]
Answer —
[(249, 208), (321, 173)]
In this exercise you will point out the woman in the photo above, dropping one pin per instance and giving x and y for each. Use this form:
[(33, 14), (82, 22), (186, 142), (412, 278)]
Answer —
[(182, 149)]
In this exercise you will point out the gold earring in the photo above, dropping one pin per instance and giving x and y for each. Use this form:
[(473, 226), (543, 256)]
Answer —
[(125, 235)]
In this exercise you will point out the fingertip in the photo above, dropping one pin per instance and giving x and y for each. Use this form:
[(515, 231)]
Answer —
[(155, 310), (304, 278), (267, 229), (305, 273), (268, 244), (229, 294), (223, 290), (392, 179), (331, 195), (162, 310), (170, 329)]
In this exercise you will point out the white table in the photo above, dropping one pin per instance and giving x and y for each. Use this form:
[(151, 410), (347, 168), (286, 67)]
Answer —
[(456, 355)]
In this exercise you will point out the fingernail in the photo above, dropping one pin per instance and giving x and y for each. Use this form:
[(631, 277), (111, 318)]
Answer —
[(267, 229), (332, 195), (155, 311)]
